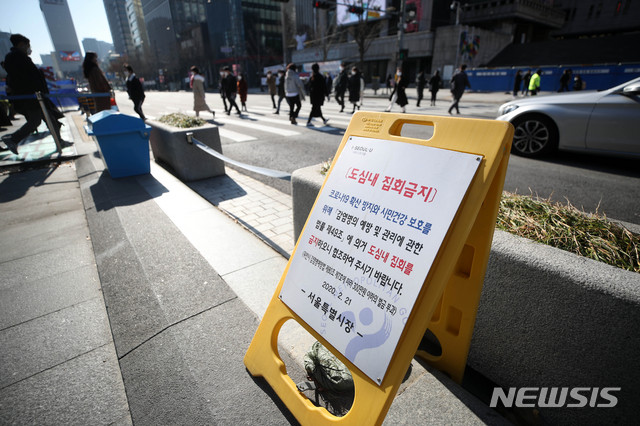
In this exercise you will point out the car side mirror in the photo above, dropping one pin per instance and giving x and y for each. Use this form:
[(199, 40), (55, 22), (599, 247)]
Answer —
[(633, 89)]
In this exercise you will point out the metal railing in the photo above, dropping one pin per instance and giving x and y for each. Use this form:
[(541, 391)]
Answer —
[(256, 169)]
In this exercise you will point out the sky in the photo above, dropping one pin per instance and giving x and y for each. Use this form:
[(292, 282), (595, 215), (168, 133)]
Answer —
[(25, 17)]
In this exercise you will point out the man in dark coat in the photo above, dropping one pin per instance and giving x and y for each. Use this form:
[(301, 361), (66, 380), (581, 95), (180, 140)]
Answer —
[(230, 87), (341, 82), (135, 90), (317, 92), (356, 86), (458, 83), (24, 78)]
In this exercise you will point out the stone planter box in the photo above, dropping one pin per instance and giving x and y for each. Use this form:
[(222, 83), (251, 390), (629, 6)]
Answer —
[(547, 318), (169, 146)]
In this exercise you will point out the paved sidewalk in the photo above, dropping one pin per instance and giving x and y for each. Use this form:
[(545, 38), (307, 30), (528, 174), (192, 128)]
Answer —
[(262, 209), (134, 300), (57, 358)]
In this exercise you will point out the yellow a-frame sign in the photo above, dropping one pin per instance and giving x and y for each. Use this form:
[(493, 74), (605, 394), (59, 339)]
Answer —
[(465, 163)]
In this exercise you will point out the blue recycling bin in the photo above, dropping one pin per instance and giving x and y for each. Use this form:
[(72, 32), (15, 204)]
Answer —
[(123, 142)]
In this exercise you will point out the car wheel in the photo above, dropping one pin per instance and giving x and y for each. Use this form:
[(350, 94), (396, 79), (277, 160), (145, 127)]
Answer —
[(534, 136)]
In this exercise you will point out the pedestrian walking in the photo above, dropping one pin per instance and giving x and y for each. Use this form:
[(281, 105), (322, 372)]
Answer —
[(525, 83), (578, 83), (24, 78), (399, 95), (421, 81), (317, 93), (197, 85), (517, 82), (534, 83), (97, 81), (134, 90), (435, 82), (329, 84), (565, 79), (221, 89), (294, 91), (242, 91), (340, 86), (459, 82), (389, 83), (230, 87), (271, 86), (356, 88), (280, 87)]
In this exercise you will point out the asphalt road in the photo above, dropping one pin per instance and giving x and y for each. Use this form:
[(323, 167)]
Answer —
[(593, 183)]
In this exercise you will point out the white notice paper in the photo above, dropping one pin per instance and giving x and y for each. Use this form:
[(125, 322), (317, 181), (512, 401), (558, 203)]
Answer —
[(370, 243)]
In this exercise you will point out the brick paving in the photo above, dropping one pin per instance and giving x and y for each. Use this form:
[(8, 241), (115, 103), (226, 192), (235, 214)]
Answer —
[(263, 210)]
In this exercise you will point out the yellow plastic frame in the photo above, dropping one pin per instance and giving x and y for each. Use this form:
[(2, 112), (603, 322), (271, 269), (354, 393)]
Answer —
[(448, 301)]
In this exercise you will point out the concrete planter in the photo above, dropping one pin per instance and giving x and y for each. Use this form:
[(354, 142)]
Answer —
[(547, 318), (169, 146)]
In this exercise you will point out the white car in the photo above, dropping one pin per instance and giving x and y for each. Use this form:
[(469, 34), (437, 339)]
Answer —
[(605, 122)]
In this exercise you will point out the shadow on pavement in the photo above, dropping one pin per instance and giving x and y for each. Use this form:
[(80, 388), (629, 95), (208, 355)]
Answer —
[(16, 185), (108, 193)]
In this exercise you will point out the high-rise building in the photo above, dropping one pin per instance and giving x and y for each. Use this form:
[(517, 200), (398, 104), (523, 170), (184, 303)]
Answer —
[(135, 16), (119, 25), (174, 28), (245, 34), (67, 55)]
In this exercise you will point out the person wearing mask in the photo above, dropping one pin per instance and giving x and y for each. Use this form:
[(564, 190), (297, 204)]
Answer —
[(317, 92), (97, 81), (134, 90), (280, 86), (340, 86), (230, 86), (197, 84), (459, 82), (271, 86), (356, 86), (24, 78), (399, 95), (534, 83), (435, 82), (294, 91), (243, 89)]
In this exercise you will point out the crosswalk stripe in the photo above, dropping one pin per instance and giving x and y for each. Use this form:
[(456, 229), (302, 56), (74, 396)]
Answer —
[(333, 120), (254, 126), (234, 136)]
